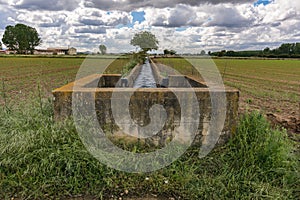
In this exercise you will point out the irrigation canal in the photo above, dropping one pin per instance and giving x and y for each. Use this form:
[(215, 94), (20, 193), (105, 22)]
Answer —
[(146, 78)]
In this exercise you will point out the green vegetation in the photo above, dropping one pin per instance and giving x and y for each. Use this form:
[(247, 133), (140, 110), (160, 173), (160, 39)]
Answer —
[(145, 40), (169, 52), (128, 67), (21, 38), (134, 59), (42, 159), (287, 50), (102, 49)]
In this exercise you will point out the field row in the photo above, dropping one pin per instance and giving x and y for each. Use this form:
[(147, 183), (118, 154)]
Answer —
[(260, 81), (268, 85)]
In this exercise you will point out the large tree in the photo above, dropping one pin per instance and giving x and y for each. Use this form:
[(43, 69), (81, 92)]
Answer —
[(102, 49), (145, 40), (21, 38)]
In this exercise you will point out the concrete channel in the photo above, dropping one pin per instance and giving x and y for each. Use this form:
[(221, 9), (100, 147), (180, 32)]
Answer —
[(146, 78), (145, 87)]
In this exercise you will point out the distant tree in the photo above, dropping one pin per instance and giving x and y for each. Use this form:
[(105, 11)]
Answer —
[(203, 53), (102, 49), (173, 52), (286, 48), (21, 38), (267, 50), (209, 53), (145, 40), (169, 52), (166, 52), (297, 48), (222, 53), (0, 46), (230, 53)]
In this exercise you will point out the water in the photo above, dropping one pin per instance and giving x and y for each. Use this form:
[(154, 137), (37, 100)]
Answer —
[(146, 78)]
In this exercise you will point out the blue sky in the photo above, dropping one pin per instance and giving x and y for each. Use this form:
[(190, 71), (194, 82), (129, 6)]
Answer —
[(182, 25), (138, 16), (264, 2)]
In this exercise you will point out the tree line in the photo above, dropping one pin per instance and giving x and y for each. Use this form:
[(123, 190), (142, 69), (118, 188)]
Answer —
[(286, 50)]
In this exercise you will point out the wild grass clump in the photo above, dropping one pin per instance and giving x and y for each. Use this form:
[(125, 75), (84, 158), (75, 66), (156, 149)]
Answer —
[(128, 67), (42, 159), (135, 58)]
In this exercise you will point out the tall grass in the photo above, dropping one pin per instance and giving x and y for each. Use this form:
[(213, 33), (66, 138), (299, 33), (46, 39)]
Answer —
[(41, 159)]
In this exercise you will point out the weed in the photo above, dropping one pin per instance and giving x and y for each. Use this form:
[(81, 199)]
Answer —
[(249, 101)]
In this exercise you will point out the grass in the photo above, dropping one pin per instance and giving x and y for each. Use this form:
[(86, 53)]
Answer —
[(41, 159)]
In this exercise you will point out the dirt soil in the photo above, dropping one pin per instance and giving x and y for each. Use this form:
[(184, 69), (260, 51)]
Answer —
[(280, 113)]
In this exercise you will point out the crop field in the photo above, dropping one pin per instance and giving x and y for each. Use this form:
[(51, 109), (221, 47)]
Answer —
[(24, 78), (271, 86), (41, 158)]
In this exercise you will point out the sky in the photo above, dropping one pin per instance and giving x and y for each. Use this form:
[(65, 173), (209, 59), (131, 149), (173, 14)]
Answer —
[(187, 26)]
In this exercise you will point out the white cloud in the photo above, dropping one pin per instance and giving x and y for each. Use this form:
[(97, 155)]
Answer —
[(184, 26), (53, 5), (130, 5)]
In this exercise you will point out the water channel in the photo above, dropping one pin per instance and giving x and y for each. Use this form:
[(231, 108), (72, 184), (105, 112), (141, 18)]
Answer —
[(146, 78)]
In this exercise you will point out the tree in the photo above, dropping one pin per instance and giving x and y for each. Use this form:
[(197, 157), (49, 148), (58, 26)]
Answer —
[(145, 40), (21, 38), (267, 50), (173, 52), (297, 48), (102, 49), (222, 53), (203, 53), (0, 46), (169, 52), (166, 52), (286, 48)]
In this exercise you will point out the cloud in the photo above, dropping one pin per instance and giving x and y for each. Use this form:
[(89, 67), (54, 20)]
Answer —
[(52, 5), (113, 20), (179, 16), (130, 5), (56, 21), (229, 17), (7, 17), (207, 15), (185, 26), (91, 29)]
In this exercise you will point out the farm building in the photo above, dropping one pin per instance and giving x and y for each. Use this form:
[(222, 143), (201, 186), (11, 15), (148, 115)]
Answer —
[(56, 51), (72, 51), (43, 52)]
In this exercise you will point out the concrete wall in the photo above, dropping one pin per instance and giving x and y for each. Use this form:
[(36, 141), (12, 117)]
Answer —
[(161, 81), (173, 80), (140, 103), (106, 81), (131, 77)]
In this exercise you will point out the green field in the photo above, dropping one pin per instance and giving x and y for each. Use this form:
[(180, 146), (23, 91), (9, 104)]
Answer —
[(44, 159), (280, 79), (21, 78), (271, 86)]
